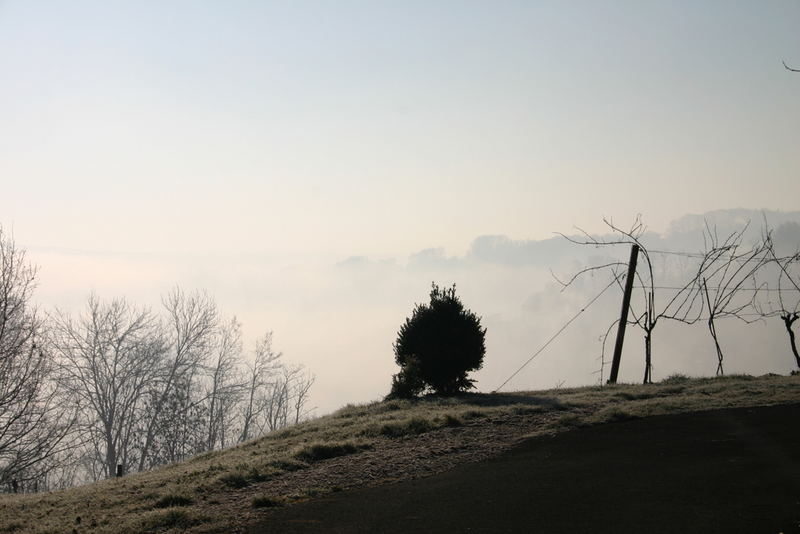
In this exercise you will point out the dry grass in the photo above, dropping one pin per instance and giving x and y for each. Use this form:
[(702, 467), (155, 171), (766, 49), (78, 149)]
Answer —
[(198, 495)]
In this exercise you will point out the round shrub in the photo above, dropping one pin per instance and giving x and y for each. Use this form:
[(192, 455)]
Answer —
[(438, 346)]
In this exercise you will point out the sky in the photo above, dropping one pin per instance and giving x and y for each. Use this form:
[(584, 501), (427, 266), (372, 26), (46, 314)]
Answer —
[(315, 165)]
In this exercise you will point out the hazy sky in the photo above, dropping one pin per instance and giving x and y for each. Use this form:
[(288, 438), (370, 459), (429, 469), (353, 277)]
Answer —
[(248, 147)]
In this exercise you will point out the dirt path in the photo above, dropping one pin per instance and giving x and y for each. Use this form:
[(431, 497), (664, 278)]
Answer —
[(734, 470)]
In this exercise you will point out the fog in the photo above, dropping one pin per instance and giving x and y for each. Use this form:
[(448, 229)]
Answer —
[(340, 315), (316, 166)]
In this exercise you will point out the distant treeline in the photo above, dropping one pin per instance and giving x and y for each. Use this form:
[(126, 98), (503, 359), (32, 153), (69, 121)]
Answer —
[(121, 388)]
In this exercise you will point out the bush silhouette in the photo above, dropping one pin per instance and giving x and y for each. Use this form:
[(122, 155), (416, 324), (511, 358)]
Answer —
[(437, 346)]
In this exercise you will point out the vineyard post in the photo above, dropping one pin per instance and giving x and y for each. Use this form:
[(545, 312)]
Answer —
[(623, 320)]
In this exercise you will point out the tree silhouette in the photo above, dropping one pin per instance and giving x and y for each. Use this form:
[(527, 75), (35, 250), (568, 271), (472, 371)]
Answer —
[(788, 302), (437, 346), (728, 273)]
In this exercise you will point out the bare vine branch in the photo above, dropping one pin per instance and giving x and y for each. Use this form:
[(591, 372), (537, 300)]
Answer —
[(684, 305)]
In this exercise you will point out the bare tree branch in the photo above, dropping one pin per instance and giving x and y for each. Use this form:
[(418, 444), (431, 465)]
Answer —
[(786, 310), (682, 306), (34, 424), (108, 358)]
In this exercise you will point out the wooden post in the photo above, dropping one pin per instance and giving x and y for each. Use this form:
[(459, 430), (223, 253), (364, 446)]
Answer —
[(623, 319)]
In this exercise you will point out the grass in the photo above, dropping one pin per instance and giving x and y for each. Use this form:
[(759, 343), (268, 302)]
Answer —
[(177, 519), (192, 496), (319, 451), (168, 501)]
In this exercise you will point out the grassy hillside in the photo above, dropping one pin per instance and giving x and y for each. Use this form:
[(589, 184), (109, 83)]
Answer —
[(361, 445)]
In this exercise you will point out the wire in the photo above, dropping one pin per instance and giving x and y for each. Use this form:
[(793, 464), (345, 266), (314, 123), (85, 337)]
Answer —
[(718, 289), (535, 354), (703, 255), (678, 253)]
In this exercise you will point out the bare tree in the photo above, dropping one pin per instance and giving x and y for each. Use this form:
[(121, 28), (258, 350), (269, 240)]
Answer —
[(301, 383), (788, 320), (276, 394), (787, 286), (266, 362), (118, 385), (225, 386), (728, 280), (180, 431), (109, 357), (191, 324), (33, 424), (274, 403)]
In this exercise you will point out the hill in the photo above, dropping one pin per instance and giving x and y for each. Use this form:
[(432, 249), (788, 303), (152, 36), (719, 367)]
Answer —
[(730, 471), (360, 446)]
